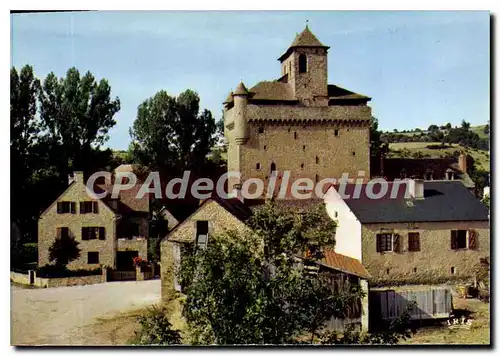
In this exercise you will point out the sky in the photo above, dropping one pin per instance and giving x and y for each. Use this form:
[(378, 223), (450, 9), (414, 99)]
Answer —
[(419, 68)]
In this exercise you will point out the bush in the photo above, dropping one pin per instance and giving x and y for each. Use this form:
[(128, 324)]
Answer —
[(156, 329), (55, 271)]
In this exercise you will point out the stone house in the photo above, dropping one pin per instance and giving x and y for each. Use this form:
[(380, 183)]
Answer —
[(110, 232), (429, 169), (216, 215), (438, 232), (325, 128)]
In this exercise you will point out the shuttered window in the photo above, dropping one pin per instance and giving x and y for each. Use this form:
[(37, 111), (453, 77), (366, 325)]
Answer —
[(87, 207), (93, 233), (62, 233), (458, 239), (65, 207), (413, 241), (388, 242)]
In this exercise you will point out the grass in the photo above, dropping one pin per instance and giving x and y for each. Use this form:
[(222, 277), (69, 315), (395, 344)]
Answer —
[(481, 158), (478, 334)]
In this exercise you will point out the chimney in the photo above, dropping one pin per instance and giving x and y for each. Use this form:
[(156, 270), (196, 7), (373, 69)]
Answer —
[(77, 176), (462, 163), (416, 188)]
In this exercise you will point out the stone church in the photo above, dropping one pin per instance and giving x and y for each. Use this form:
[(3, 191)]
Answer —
[(297, 123)]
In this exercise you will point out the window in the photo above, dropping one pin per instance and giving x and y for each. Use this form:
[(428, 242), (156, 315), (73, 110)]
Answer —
[(93, 258), (387, 242), (62, 233), (316, 178), (273, 167), (317, 160), (302, 165), (295, 135), (265, 147), (452, 270), (413, 241), (261, 130), (93, 233), (353, 153), (257, 166), (458, 239), (202, 234), (415, 270), (66, 207), (304, 148), (336, 132), (302, 63), (336, 214), (87, 207)]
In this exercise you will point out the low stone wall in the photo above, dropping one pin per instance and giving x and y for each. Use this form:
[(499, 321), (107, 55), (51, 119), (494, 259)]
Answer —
[(40, 282), (68, 281), (19, 278)]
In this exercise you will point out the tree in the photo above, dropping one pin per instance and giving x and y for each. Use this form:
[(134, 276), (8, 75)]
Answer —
[(486, 129), (23, 134), (248, 288), (170, 134), (156, 329), (64, 250), (448, 126), (433, 128), (465, 125), (77, 114), (375, 140)]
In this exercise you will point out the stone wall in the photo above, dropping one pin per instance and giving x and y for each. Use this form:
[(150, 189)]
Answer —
[(19, 278), (22, 278), (434, 260), (290, 143), (50, 220), (136, 244)]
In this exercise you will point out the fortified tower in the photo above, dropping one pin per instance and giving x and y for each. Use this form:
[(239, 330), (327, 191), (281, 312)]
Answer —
[(297, 123)]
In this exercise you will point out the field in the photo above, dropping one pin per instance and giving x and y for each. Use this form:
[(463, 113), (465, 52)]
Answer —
[(481, 158), (479, 332)]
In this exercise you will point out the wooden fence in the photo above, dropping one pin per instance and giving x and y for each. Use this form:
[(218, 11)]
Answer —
[(431, 303)]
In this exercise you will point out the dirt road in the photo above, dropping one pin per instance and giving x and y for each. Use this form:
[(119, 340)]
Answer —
[(63, 316)]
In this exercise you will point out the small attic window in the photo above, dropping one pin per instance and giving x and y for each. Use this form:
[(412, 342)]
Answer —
[(302, 63)]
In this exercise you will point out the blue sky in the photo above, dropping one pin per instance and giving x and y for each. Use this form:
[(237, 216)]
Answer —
[(420, 68)]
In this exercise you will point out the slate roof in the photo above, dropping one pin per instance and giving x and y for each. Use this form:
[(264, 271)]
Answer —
[(336, 93), (344, 264), (304, 39), (443, 201)]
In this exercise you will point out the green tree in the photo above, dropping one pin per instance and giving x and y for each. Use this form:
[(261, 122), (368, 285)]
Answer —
[(433, 128), (375, 140), (170, 134), (448, 126), (64, 250), (24, 128), (247, 288), (465, 125), (77, 114)]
